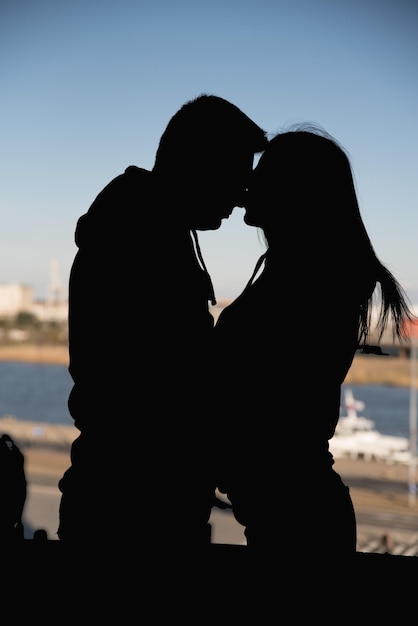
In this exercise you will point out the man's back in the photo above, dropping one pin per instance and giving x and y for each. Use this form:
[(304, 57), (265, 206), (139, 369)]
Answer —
[(139, 333)]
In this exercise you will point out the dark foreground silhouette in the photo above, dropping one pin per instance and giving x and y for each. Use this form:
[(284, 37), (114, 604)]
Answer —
[(53, 580), (12, 491)]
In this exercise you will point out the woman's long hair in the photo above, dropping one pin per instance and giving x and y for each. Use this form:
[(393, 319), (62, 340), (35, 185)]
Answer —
[(311, 172)]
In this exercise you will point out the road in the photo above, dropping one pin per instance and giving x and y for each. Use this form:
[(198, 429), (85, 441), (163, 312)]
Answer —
[(379, 492)]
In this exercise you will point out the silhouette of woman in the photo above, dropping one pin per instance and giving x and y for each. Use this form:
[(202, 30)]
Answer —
[(288, 341)]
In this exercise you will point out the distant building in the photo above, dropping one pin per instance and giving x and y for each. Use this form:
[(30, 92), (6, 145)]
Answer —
[(16, 298), (50, 311)]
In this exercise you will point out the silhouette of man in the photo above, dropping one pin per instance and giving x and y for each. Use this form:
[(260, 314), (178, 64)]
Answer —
[(140, 336)]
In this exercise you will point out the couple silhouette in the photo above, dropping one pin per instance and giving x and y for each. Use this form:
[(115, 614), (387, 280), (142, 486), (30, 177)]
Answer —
[(172, 407)]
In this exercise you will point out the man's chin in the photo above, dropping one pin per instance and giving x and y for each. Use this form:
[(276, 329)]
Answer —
[(248, 221)]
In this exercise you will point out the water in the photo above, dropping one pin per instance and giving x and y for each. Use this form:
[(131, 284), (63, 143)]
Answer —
[(39, 393), (35, 392), (388, 407)]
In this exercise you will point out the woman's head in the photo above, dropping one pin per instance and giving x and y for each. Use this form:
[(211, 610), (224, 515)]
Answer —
[(303, 178), (302, 192)]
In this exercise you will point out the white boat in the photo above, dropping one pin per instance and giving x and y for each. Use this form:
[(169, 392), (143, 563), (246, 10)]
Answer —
[(357, 438)]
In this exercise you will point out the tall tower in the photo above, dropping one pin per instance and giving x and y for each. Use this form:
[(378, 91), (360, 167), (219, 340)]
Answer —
[(55, 293)]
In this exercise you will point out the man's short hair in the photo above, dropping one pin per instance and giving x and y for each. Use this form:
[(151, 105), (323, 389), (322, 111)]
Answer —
[(207, 125)]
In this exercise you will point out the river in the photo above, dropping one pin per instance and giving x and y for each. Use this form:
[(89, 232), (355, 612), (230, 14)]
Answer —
[(39, 392), (35, 392)]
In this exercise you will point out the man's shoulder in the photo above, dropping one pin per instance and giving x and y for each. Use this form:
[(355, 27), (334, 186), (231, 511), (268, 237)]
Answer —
[(133, 179), (132, 175), (115, 206), (134, 170)]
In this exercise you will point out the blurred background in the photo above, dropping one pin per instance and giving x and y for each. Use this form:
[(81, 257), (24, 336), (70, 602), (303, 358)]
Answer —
[(88, 87)]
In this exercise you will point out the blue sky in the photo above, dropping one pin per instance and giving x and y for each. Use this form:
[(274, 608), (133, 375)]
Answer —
[(89, 86)]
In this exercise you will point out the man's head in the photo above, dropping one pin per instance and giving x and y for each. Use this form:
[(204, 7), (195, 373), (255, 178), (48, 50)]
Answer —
[(205, 158)]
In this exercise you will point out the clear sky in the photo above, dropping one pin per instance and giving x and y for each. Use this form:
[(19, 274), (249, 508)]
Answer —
[(88, 86)]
